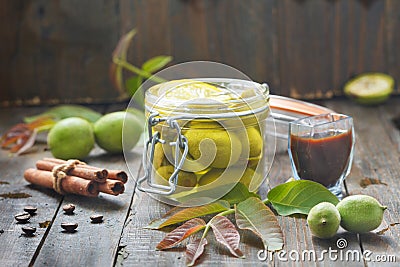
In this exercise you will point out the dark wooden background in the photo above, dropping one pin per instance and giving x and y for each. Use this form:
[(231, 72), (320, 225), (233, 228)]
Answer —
[(59, 51)]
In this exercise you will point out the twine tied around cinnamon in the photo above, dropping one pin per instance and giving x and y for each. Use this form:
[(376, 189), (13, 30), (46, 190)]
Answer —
[(60, 172), (76, 177)]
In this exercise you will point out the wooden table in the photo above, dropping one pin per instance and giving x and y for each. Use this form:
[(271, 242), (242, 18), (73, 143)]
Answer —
[(121, 239)]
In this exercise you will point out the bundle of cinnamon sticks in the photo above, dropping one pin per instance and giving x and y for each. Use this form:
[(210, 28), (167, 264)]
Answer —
[(76, 177)]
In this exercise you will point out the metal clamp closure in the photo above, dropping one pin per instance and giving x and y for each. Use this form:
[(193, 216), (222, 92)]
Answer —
[(148, 156)]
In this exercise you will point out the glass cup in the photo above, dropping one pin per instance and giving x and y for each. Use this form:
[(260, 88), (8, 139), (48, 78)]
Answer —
[(321, 149)]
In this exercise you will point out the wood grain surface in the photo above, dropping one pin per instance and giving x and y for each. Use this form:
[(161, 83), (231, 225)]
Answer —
[(121, 239), (17, 249), (60, 51), (377, 156)]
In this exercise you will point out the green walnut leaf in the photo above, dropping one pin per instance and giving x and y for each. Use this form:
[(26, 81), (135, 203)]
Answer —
[(252, 214), (132, 84), (156, 63), (238, 194), (65, 111), (183, 215), (299, 197)]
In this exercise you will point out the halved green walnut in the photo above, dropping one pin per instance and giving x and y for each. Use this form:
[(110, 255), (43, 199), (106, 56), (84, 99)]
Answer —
[(370, 88)]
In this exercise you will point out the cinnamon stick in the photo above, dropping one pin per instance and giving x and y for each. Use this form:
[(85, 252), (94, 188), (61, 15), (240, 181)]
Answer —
[(70, 184), (98, 175), (59, 161), (112, 174), (118, 175), (112, 187)]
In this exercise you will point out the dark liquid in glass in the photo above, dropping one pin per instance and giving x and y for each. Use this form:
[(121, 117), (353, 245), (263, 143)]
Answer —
[(323, 157)]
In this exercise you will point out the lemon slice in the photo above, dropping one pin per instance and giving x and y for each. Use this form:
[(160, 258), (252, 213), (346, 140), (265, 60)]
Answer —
[(370, 88), (182, 90)]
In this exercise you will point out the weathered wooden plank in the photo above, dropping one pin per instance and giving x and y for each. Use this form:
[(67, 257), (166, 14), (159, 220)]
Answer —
[(358, 40), (301, 48), (243, 35), (188, 30), (8, 12), (298, 239), (139, 243), (17, 249), (391, 112), (152, 24), (305, 45), (376, 156), (58, 52), (92, 244), (296, 233), (392, 24), (73, 46)]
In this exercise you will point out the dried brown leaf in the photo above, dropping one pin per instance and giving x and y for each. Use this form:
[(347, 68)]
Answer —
[(180, 233), (254, 215), (121, 49), (225, 232), (19, 138), (28, 143), (13, 135), (381, 232), (44, 224), (370, 181), (194, 250), (15, 195), (120, 52)]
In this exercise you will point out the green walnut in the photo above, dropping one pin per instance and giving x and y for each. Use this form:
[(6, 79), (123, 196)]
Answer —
[(190, 164), (230, 176), (159, 156), (220, 147), (360, 213), (251, 179), (324, 220), (186, 179), (71, 138), (110, 129), (253, 162), (162, 155), (138, 114), (204, 124), (255, 142), (213, 176)]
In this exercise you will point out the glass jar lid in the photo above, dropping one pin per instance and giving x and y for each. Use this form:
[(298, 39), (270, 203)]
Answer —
[(207, 96)]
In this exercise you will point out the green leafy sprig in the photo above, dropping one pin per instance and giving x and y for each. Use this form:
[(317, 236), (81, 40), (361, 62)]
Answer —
[(119, 63), (251, 213)]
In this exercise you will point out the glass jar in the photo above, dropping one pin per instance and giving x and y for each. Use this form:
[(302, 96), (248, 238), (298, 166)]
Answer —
[(205, 138)]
